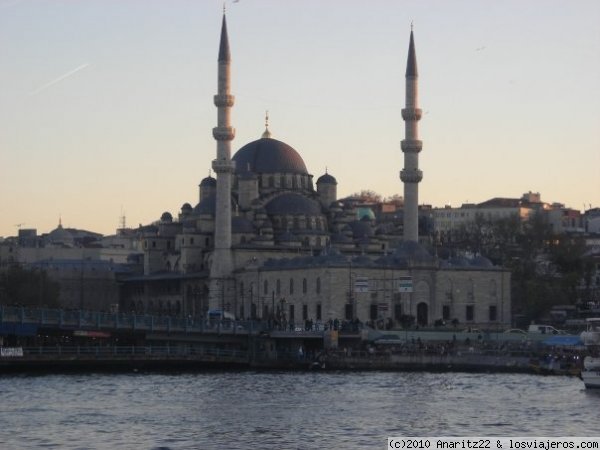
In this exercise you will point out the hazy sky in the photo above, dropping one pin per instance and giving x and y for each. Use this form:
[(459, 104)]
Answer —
[(106, 106)]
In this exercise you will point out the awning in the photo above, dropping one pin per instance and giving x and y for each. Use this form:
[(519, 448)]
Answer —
[(565, 341)]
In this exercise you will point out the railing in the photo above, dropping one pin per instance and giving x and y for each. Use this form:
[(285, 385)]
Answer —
[(119, 321), (137, 352)]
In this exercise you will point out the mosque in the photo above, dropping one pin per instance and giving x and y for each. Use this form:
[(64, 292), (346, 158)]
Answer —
[(262, 242)]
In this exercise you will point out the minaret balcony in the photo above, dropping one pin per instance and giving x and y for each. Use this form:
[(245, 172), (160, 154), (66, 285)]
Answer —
[(411, 145), (223, 133), (223, 165), (411, 175), (224, 100), (412, 113)]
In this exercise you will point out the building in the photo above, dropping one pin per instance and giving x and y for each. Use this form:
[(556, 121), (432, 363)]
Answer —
[(448, 221), (266, 241)]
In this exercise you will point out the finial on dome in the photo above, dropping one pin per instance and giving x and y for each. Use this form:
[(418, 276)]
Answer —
[(267, 133)]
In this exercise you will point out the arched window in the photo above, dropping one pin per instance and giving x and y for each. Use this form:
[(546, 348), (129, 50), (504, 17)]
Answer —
[(318, 285), (265, 287), (278, 287), (291, 286), (304, 285)]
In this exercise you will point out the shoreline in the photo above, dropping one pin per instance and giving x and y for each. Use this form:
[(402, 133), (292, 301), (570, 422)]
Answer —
[(243, 361)]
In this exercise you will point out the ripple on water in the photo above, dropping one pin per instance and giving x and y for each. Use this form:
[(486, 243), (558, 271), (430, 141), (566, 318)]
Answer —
[(283, 410)]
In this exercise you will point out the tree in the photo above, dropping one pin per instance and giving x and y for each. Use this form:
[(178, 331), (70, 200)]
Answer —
[(395, 199), (367, 196)]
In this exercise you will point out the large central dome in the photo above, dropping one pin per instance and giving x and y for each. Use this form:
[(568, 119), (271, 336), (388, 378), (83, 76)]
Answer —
[(267, 155)]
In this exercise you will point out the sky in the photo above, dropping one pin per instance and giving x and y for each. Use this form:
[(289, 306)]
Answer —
[(106, 106)]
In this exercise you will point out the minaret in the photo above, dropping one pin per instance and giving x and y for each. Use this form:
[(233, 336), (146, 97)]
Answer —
[(222, 262), (411, 146)]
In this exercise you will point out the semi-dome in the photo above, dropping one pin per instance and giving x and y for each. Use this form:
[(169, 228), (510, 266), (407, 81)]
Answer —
[(267, 155), (241, 225), (293, 204)]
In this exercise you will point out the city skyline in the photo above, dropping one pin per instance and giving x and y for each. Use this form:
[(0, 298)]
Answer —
[(106, 108)]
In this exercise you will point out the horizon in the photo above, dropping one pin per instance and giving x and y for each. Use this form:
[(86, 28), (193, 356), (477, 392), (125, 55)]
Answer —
[(106, 108)]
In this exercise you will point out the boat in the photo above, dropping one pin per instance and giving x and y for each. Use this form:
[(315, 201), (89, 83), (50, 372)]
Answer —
[(590, 374)]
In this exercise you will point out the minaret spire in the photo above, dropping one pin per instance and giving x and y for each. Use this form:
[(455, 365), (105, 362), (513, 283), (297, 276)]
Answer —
[(221, 269), (411, 146), (267, 133)]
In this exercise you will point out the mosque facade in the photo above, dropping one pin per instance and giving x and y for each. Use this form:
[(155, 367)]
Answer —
[(267, 241)]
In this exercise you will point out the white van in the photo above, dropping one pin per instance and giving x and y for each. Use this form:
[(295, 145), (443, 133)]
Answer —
[(544, 329)]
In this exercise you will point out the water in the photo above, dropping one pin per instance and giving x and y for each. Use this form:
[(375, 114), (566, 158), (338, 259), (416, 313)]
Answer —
[(287, 410)]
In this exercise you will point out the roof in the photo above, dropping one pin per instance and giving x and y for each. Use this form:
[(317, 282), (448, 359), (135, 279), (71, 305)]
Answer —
[(411, 63), (501, 202), (224, 53), (267, 155)]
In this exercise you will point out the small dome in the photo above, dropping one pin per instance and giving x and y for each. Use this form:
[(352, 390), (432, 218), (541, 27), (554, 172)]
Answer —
[(412, 251), (166, 217), (361, 229), (60, 236), (459, 261), (293, 204), (363, 212), (206, 206), (482, 262), (326, 179), (208, 182), (268, 155), (186, 207)]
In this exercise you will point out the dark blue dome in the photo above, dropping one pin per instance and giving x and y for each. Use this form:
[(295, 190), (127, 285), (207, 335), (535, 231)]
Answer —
[(326, 179), (292, 203), (208, 181), (241, 225), (207, 206), (268, 155)]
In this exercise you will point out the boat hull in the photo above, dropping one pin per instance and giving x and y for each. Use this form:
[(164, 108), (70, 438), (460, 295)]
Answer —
[(591, 379), (591, 372)]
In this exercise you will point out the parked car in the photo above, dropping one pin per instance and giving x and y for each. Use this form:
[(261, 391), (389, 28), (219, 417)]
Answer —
[(515, 331), (544, 329)]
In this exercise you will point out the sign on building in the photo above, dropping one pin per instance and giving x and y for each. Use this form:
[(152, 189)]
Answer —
[(361, 284), (405, 284)]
